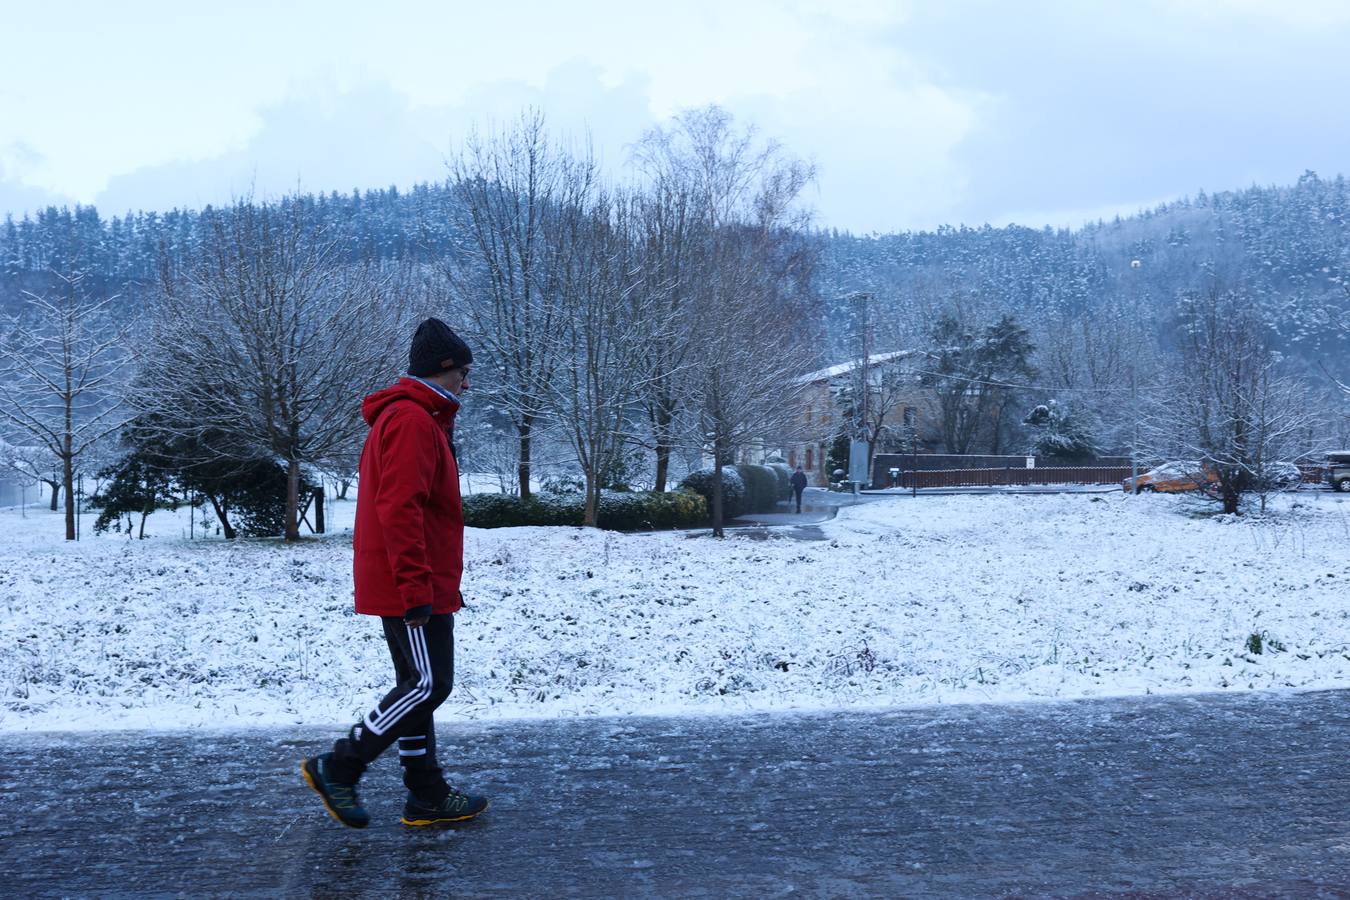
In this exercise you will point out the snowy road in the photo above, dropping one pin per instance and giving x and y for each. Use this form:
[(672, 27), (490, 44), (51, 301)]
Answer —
[(818, 505), (1209, 796)]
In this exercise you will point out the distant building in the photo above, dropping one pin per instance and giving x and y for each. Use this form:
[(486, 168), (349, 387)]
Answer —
[(824, 396)]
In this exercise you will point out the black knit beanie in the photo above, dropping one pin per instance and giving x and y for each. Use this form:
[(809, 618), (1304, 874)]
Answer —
[(435, 348)]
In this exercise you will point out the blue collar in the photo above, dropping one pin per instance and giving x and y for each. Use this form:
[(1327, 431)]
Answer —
[(437, 388)]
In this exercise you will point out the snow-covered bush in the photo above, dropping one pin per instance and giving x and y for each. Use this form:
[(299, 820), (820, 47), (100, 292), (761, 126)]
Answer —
[(733, 489), (562, 484), (619, 510), (761, 488), (510, 511), (1063, 434), (640, 511)]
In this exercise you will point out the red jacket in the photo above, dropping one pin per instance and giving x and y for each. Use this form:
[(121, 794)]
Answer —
[(409, 538)]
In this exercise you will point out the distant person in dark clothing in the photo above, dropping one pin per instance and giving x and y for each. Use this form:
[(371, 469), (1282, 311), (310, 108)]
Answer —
[(798, 485)]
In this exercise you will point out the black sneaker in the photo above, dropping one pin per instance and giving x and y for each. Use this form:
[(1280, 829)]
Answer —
[(340, 799), (456, 807)]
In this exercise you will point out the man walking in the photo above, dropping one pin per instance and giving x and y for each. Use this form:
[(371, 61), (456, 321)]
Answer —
[(409, 554), (798, 485)]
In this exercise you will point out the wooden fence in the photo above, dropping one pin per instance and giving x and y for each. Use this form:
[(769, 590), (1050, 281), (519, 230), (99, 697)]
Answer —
[(1311, 474), (1013, 476)]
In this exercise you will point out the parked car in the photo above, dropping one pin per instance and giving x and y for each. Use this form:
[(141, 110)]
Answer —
[(1170, 478), (1337, 473)]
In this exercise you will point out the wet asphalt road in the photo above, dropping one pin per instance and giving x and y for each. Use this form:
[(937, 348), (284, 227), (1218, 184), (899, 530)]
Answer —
[(818, 505), (1213, 796)]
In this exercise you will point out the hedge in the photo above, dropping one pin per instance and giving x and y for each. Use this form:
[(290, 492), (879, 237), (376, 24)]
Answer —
[(761, 488), (644, 510), (734, 494), (619, 511), (745, 489), (507, 510)]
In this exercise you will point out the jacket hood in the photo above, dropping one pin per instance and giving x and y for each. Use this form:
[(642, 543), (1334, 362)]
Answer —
[(441, 407)]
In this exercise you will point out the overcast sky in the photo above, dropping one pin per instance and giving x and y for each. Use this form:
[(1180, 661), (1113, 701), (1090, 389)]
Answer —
[(916, 113)]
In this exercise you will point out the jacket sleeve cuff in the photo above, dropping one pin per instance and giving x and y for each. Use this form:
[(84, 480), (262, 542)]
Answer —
[(417, 612)]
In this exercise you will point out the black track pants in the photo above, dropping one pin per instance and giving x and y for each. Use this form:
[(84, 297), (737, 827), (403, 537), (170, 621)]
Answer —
[(424, 664)]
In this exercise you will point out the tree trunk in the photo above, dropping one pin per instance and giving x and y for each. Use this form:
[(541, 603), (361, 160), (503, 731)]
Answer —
[(225, 526), (293, 500), (997, 449), (717, 492), (661, 420), (145, 514), (343, 486), (526, 427), (592, 513), (56, 491), (318, 511), (68, 483), (662, 467)]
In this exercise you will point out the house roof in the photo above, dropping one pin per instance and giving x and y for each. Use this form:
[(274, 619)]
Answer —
[(831, 372)]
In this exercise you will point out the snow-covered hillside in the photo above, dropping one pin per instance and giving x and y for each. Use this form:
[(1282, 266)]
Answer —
[(907, 601)]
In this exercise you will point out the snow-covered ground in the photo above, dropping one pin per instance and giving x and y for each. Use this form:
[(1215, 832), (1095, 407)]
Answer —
[(939, 599)]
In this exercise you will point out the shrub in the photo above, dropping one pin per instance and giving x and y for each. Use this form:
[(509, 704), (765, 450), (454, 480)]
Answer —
[(619, 511), (783, 472), (643, 510), (492, 510), (684, 509), (761, 488), (509, 511), (1064, 434), (562, 484), (733, 489)]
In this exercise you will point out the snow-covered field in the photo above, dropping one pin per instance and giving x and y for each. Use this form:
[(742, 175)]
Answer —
[(938, 599)]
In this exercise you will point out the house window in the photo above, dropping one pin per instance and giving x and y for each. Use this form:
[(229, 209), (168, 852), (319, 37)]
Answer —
[(792, 459), (810, 459), (908, 417)]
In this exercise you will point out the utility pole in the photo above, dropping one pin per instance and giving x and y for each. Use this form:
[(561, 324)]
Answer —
[(863, 317), (1135, 265), (1134, 437)]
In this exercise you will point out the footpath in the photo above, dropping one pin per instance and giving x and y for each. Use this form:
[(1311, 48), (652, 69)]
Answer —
[(1208, 796)]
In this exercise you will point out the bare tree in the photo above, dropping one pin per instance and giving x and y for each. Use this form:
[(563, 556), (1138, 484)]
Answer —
[(35, 463), (63, 366), (746, 367), (507, 277), (709, 182), (750, 349), (725, 233), (674, 217), (607, 325), (1227, 406), (666, 224), (1096, 359), (269, 339)]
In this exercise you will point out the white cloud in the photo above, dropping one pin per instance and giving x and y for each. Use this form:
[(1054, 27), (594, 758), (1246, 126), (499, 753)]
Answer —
[(1317, 14), (365, 100), (916, 113), (1077, 217)]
